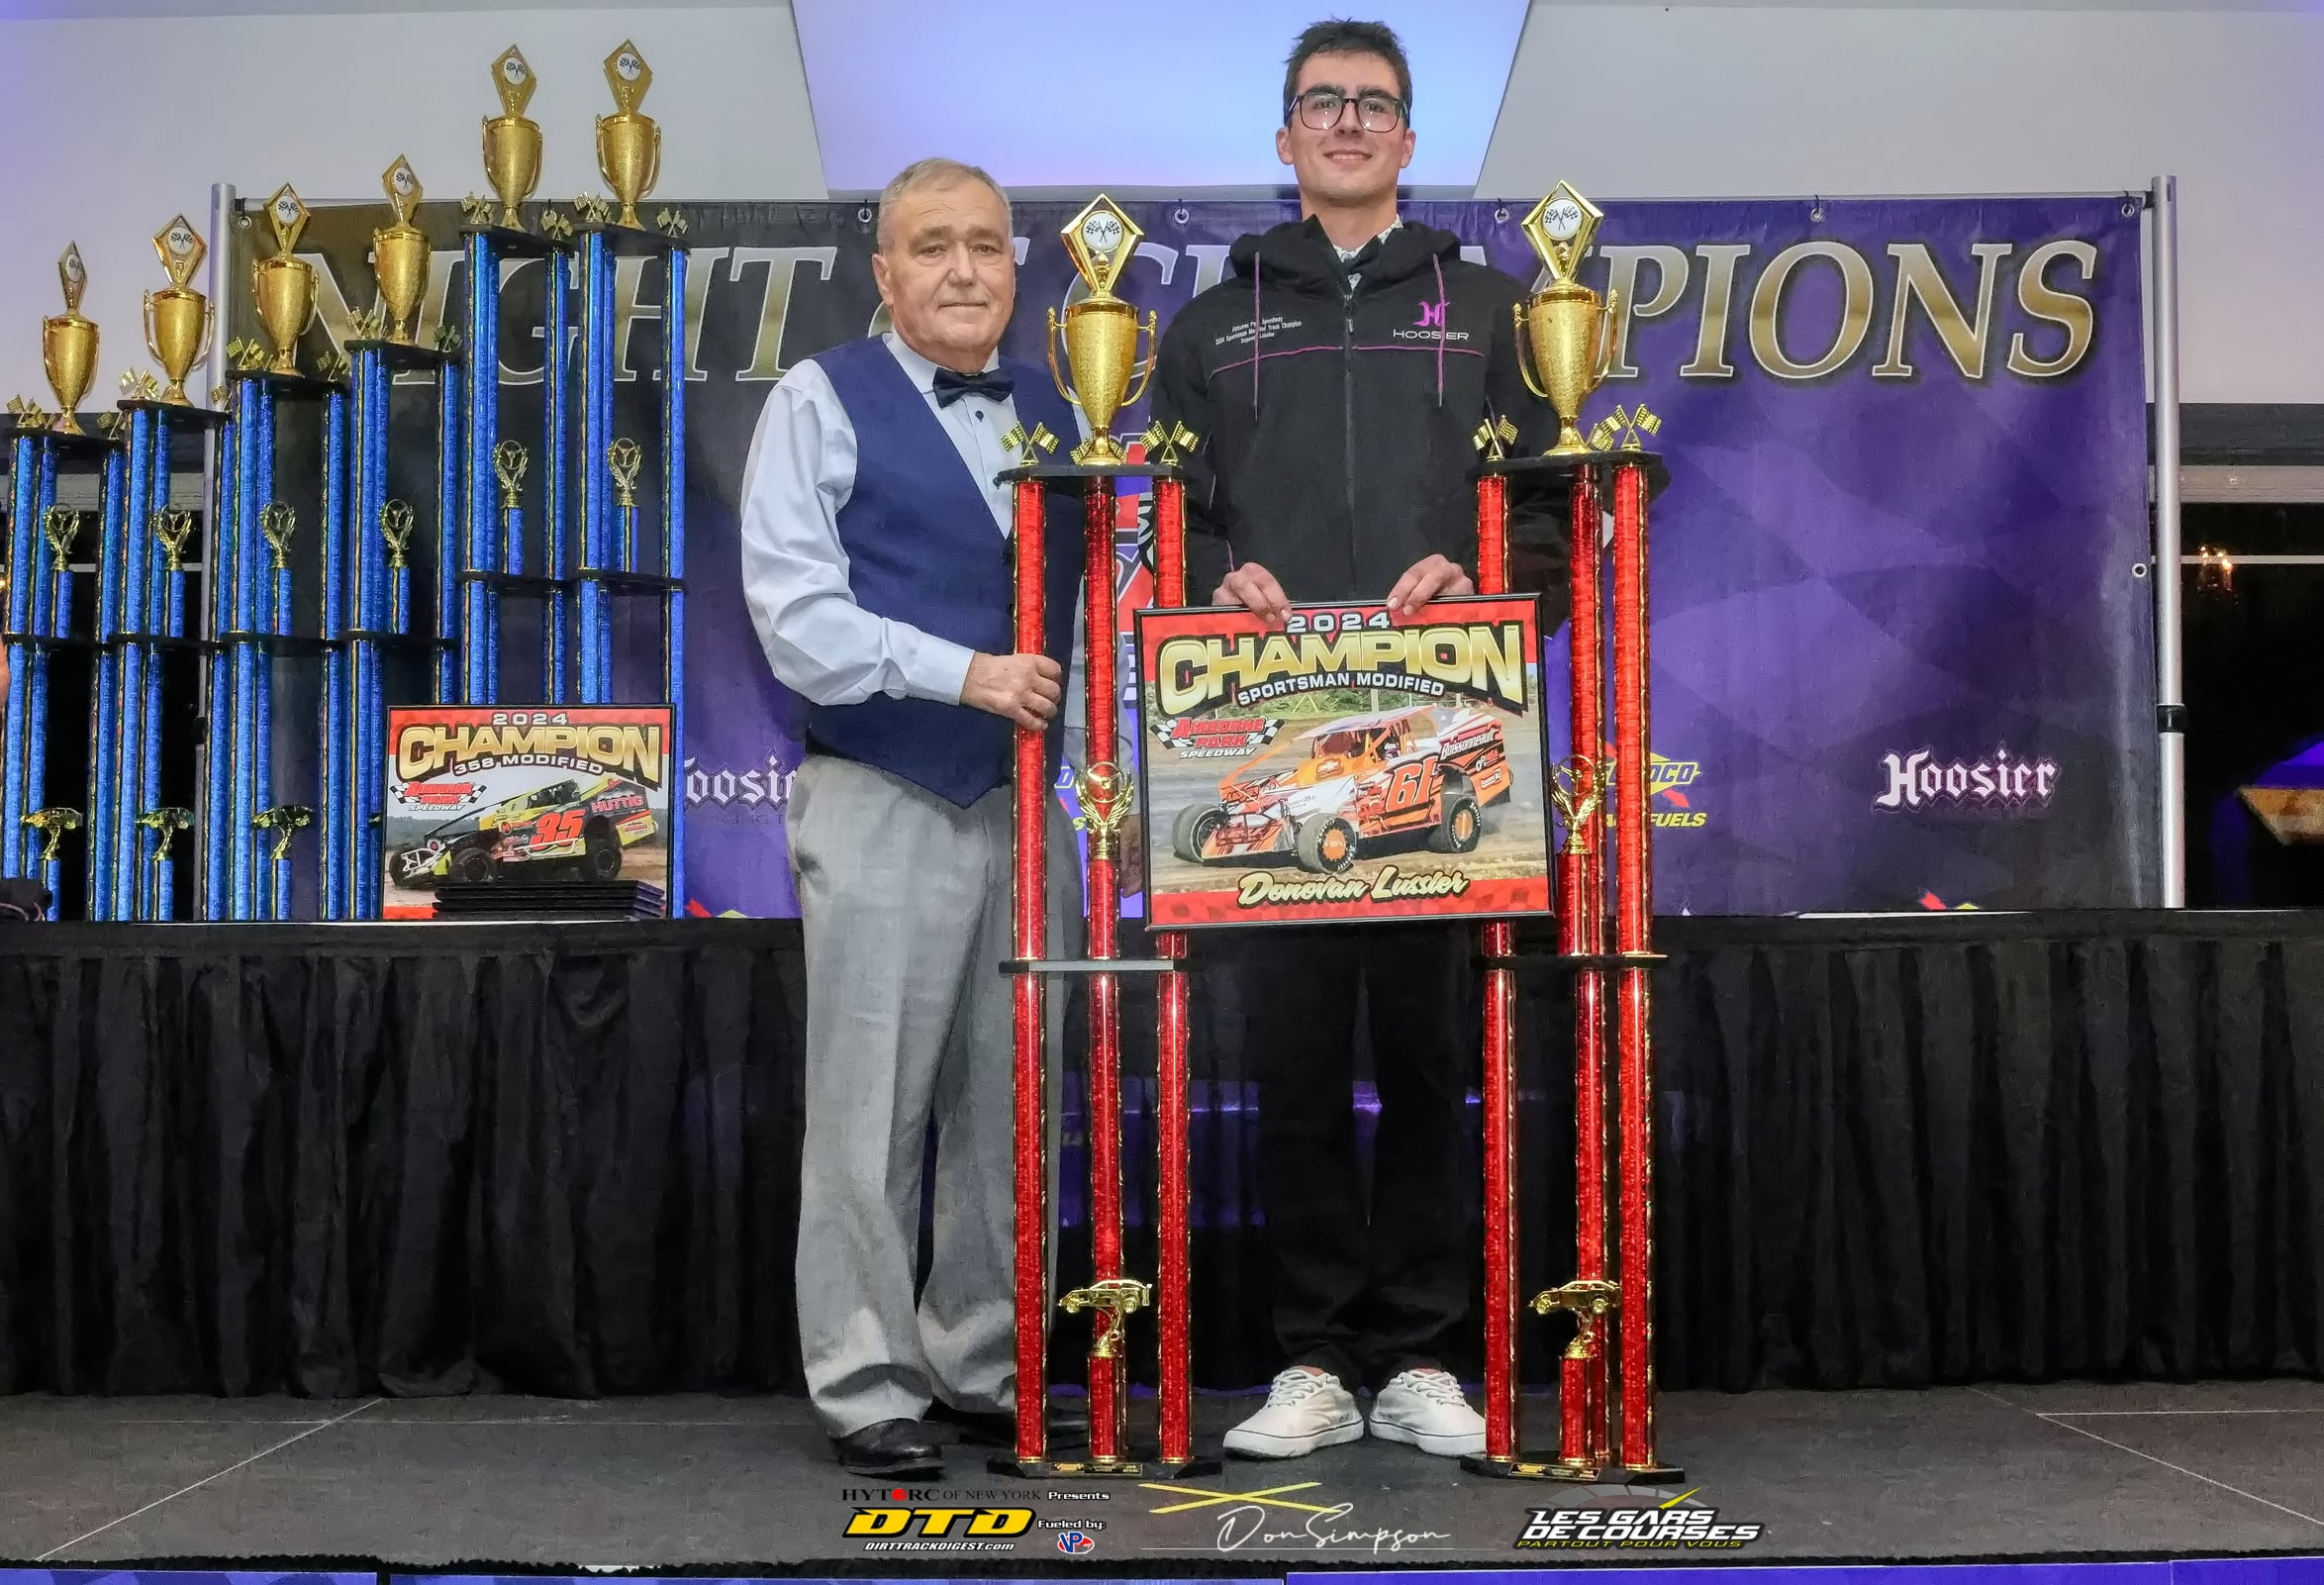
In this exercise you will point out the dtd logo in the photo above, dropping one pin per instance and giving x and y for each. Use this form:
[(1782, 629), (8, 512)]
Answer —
[(887, 1521)]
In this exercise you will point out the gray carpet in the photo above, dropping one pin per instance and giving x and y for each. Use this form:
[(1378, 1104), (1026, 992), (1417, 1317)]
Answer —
[(737, 1483)]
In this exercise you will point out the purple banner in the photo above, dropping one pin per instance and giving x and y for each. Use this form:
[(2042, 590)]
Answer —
[(1902, 626)]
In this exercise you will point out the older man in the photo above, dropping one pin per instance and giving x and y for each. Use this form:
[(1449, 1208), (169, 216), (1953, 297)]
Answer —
[(875, 561)]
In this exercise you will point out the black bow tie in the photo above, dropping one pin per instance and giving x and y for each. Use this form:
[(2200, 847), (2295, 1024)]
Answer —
[(992, 385)]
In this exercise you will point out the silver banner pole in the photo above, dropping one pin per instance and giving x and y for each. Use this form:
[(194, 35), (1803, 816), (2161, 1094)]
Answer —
[(219, 287), (2169, 702)]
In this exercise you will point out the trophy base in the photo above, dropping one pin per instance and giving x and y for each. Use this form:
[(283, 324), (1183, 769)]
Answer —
[(1091, 965), (1093, 470), (630, 239), (415, 642), (1565, 465), (1572, 961), (295, 645), (48, 643), (617, 581), (70, 444), (190, 414), (1085, 1468), (1546, 1466), (1531, 1466), (402, 354), (520, 585), (174, 644), (511, 242), (293, 385)]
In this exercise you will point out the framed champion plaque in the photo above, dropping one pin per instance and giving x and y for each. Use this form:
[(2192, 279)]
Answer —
[(1350, 765), (486, 793)]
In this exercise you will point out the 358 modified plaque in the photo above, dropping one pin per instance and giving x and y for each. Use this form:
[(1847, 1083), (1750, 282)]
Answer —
[(545, 793), (1349, 765)]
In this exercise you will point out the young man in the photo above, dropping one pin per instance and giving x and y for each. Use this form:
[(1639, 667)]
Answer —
[(876, 564), (1336, 380)]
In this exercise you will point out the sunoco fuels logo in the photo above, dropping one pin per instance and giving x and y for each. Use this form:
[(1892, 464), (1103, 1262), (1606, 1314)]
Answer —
[(1668, 781)]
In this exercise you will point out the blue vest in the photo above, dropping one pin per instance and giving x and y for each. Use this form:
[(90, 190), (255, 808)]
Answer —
[(923, 548)]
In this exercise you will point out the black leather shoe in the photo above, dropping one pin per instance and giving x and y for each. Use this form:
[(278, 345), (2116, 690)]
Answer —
[(990, 1427), (892, 1447)]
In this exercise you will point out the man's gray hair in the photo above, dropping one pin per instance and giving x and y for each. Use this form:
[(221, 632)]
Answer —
[(933, 172)]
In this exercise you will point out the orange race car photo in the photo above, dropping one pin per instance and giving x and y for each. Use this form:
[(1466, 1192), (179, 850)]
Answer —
[(1327, 794)]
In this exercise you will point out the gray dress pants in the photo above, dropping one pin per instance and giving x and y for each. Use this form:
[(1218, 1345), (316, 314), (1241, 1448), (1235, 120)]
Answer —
[(904, 899)]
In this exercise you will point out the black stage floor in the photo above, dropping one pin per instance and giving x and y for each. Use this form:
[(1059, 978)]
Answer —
[(743, 1484)]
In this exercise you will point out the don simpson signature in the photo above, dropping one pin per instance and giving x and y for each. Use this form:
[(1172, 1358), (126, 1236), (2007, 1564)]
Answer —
[(1239, 1528)]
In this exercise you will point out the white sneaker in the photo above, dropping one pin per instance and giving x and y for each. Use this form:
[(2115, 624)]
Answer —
[(1305, 1410), (1427, 1410)]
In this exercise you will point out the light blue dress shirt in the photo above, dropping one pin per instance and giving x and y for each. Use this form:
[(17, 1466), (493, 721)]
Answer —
[(820, 644)]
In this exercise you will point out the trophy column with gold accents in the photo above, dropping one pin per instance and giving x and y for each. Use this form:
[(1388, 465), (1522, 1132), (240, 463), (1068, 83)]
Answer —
[(106, 749), (143, 577), (362, 611), (492, 561), (43, 537), (258, 551), (1606, 1377), (1100, 333), (632, 544)]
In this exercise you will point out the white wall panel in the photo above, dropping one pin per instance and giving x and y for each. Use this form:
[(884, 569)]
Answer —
[(1712, 99), (123, 122)]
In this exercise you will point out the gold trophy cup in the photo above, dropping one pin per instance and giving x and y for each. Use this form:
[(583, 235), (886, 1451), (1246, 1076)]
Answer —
[(1101, 331), (629, 145), (512, 144), (284, 284), (1569, 326), (399, 254), (178, 319), (68, 343)]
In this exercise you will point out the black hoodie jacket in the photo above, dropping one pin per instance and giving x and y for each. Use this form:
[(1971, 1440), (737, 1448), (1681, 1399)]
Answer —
[(1337, 428)]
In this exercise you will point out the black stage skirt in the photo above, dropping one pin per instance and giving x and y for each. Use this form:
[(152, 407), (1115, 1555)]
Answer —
[(564, 1158)]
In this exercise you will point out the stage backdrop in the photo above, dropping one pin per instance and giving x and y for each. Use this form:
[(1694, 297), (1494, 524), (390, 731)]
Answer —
[(1901, 628)]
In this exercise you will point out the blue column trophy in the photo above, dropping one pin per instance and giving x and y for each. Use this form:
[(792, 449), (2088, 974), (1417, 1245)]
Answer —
[(41, 541), (251, 616), (492, 561), (141, 624), (367, 598), (614, 562)]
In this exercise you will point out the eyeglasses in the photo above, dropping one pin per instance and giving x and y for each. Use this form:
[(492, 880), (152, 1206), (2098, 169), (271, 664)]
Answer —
[(1320, 110)]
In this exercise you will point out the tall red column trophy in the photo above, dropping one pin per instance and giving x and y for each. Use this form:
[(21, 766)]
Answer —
[(1101, 335), (1606, 1384)]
